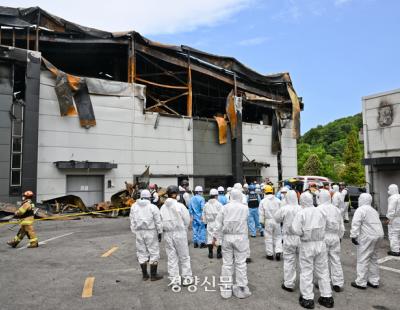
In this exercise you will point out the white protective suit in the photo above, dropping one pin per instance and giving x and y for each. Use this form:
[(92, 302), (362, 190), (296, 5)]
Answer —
[(273, 234), (146, 224), (337, 200), (210, 212), (310, 225), (291, 242), (345, 204), (231, 225), (334, 232), (175, 220), (393, 215), (367, 228)]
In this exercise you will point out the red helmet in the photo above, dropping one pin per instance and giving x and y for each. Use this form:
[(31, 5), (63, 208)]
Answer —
[(28, 194)]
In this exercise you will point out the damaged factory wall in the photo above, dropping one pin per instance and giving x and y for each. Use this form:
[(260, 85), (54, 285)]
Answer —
[(63, 139), (257, 146), (289, 152), (6, 100), (164, 144), (381, 132), (210, 157)]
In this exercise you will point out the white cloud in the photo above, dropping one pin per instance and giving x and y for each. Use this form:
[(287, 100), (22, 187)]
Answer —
[(341, 2), (144, 16), (253, 41)]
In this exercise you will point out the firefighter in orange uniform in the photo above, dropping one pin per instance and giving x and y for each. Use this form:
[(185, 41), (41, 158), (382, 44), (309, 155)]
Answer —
[(26, 215)]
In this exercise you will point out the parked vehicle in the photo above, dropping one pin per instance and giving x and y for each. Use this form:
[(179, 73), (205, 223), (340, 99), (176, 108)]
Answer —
[(354, 192)]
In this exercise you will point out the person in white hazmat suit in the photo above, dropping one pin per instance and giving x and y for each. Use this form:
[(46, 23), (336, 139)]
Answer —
[(334, 232), (337, 199), (239, 187), (210, 212), (175, 220), (345, 202), (393, 216), (291, 242), (309, 224), (231, 225), (366, 233), (272, 231), (146, 225)]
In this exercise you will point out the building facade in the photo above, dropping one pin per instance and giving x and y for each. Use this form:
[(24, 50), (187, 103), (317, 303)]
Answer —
[(381, 129)]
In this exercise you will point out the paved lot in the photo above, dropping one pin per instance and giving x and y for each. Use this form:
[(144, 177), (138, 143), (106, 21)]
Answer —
[(53, 276)]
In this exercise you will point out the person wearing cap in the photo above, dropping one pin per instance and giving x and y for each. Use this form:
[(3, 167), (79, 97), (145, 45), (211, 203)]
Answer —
[(26, 214), (253, 202), (210, 212), (175, 220), (196, 207), (272, 230), (154, 195), (221, 196), (231, 226), (146, 225)]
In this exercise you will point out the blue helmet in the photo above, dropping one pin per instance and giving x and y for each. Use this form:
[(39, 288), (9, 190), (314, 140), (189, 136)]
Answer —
[(252, 188)]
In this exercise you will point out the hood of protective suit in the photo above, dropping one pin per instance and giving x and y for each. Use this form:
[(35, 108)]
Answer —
[(236, 195), (365, 199), (393, 189), (306, 200), (335, 188), (324, 196), (291, 198), (170, 202), (270, 196), (142, 202)]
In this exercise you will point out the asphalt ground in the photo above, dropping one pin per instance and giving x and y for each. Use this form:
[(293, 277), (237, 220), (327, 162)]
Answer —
[(53, 276)]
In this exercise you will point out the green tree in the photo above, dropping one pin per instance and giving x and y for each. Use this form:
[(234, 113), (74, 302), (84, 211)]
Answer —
[(312, 166), (353, 172)]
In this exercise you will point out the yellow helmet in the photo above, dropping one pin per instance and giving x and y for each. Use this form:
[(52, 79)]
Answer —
[(268, 189)]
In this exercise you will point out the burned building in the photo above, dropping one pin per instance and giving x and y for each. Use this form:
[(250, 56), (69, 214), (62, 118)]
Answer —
[(83, 110)]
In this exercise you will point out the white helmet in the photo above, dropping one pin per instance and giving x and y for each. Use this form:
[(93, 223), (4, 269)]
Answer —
[(245, 185), (145, 194), (198, 189), (229, 189), (257, 186), (284, 189), (221, 189), (213, 192), (238, 186)]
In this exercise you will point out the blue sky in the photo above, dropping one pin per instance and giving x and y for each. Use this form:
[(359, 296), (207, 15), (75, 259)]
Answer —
[(335, 50)]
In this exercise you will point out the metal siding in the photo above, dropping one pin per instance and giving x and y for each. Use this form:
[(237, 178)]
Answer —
[(5, 129), (62, 138), (210, 157)]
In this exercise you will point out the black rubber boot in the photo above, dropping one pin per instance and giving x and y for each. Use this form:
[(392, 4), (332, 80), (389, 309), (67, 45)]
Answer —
[(219, 252), (337, 288), (12, 243), (153, 273), (261, 234), (278, 256), (306, 303), (248, 260), (288, 289), (326, 302), (354, 284), (195, 245), (269, 257), (144, 271), (391, 253), (210, 251)]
